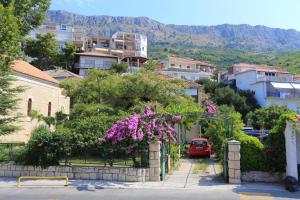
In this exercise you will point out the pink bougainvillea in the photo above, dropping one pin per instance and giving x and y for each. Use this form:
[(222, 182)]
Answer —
[(148, 125)]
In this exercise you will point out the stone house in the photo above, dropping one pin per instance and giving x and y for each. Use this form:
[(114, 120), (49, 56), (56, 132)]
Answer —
[(42, 94)]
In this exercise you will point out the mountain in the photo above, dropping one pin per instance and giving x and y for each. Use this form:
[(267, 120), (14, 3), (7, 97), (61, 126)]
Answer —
[(241, 37)]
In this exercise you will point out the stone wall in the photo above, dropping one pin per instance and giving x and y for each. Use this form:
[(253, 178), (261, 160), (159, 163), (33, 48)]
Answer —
[(258, 176), (78, 172)]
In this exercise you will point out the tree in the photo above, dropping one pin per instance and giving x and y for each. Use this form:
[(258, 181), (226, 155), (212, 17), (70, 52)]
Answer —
[(119, 68), (151, 65), (29, 14), (243, 101), (44, 50), (9, 49), (67, 55), (266, 118)]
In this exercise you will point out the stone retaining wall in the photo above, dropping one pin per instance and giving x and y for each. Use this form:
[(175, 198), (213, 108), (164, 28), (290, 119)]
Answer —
[(258, 176), (78, 172)]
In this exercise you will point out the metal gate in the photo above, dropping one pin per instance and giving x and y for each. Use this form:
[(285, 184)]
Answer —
[(164, 160), (225, 161)]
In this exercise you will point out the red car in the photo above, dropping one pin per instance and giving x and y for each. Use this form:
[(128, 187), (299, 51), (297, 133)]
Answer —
[(199, 147)]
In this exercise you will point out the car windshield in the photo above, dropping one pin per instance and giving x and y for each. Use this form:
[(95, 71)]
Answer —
[(199, 143)]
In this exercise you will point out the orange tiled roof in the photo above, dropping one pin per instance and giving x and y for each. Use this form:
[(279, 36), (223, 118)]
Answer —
[(265, 68), (26, 68), (297, 76), (188, 60)]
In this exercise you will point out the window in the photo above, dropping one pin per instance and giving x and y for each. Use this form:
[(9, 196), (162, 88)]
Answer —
[(49, 109), (29, 107), (172, 65), (63, 27), (89, 62), (107, 64), (199, 143)]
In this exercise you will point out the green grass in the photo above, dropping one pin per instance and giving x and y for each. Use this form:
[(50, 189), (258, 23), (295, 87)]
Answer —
[(201, 166)]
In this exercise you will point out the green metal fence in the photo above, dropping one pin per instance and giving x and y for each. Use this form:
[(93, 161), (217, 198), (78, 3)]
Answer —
[(109, 156), (9, 150)]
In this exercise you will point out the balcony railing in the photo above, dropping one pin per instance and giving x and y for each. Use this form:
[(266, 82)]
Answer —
[(87, 65), (274, 78), (283, 95)]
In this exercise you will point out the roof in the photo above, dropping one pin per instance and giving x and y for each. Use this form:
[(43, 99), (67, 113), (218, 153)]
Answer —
[(23, 67), (96, 54), (296, 76), (188, 60), (195, 139), (264, 68), (57, 73), (186, 83)]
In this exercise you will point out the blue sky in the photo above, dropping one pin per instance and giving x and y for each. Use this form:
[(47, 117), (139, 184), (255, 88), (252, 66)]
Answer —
[(273, 13)]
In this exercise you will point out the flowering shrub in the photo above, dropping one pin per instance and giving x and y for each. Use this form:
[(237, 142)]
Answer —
[(149, 126), (210, 106)]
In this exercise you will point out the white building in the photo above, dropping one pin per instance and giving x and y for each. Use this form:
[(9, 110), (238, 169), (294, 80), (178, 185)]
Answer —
[(272, 86), (186, 68), (63, 33), (132, 44), (93, 60)]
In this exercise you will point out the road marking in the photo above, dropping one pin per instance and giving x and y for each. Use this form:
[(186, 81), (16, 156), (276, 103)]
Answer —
[(255, 196)]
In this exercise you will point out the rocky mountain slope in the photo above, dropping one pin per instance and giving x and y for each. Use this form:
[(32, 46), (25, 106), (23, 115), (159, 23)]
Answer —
[(242, 36)]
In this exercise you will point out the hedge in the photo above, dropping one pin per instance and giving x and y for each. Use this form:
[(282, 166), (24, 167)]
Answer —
[(252, 153)]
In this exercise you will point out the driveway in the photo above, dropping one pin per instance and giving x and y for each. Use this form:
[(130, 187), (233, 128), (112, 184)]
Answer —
[(184, 176)]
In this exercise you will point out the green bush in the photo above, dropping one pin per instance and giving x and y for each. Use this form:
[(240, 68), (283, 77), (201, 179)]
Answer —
[(266, 118), (44, 148), (252, 153), (275, 148)]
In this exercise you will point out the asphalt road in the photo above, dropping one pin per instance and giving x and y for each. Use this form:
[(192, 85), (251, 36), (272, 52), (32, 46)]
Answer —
[(140, 194)]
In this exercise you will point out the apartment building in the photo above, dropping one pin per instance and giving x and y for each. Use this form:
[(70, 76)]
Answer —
[(272, 85), (63, 33), (187, 68), (94, 60)]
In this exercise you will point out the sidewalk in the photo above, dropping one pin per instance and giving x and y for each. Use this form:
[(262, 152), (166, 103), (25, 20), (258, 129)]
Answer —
[(93, 185), (182, 178)]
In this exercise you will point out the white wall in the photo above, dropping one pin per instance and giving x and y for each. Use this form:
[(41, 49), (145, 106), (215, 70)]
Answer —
[(291, 103), (245, 79), (99, 62), (298, 147), (260, 92), (291, 150), (192, 76)]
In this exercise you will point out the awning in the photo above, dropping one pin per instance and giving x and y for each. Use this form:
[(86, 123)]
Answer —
[(296, 86), (282, 85)]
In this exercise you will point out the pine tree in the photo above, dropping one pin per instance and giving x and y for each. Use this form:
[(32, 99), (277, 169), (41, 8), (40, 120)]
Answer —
[(9, 49), (17, 18)]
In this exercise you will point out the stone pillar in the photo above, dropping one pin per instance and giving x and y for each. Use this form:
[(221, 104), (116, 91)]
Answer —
[(154, 161), (291, 150), (234, 157)]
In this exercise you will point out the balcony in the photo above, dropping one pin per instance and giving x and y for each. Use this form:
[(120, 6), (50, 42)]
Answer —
[(284, 92), (274, 78), (92, 66)]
